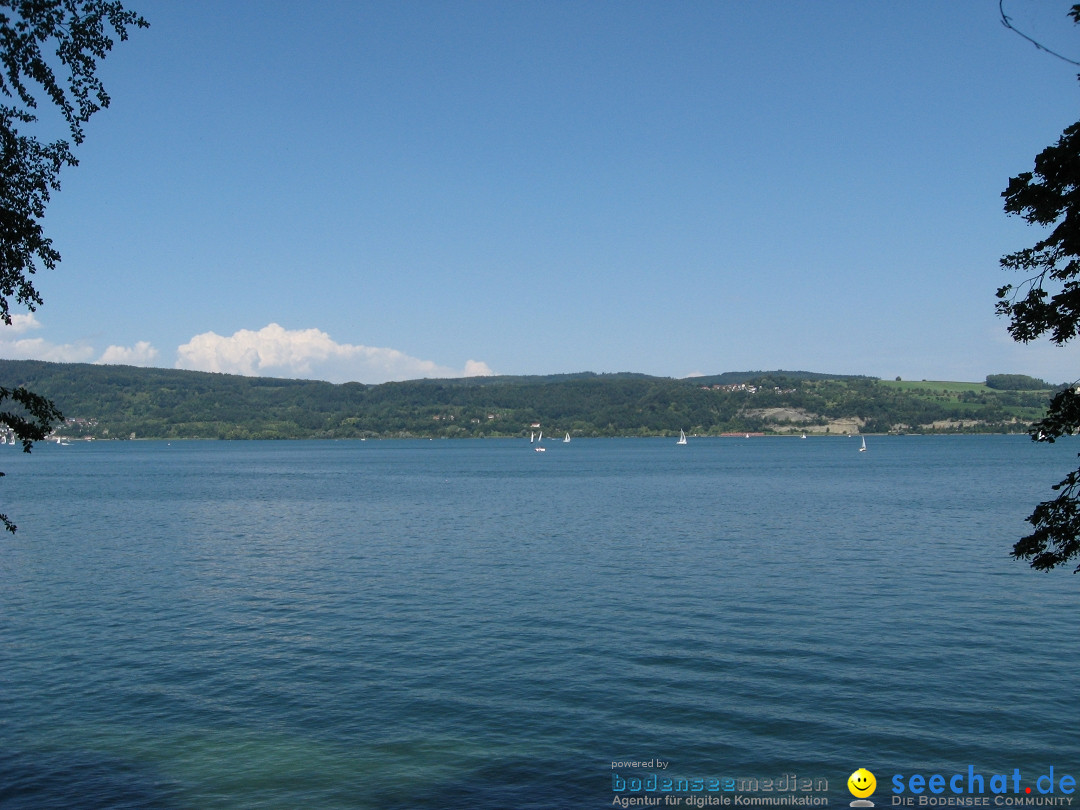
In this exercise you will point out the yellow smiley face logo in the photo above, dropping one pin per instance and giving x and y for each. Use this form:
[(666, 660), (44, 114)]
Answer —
[(861, 783)]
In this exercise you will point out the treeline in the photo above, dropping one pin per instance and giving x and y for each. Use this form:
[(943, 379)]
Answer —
[(1016, 382), (119, 401)]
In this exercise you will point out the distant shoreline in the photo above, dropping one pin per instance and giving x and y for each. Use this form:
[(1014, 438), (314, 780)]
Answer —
[(122, 402)]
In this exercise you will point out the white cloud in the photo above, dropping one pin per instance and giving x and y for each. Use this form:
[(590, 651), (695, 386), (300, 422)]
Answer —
[(308, 353), (477, 368), (38, 349), (21, 323), (13, 347), (141, 354)]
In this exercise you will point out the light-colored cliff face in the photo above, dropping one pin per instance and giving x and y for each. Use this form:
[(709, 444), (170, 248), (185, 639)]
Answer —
[(797, 420)]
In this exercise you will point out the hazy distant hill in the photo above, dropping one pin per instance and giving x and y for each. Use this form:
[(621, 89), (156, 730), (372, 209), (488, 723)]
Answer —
[(538, 379), (118, 401)]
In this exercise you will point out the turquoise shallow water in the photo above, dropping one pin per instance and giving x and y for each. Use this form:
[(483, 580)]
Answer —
[(470, 624)]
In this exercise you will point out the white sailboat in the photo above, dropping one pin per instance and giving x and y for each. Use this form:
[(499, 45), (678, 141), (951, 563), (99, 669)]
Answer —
[(539, 447), (863, 448), (682, 437), (567, 439)]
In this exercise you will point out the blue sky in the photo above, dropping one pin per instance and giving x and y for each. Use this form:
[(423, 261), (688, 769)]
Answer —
[(390, 190)]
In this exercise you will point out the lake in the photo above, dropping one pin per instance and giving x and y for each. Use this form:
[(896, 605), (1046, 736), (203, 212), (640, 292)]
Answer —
[(470, 624)]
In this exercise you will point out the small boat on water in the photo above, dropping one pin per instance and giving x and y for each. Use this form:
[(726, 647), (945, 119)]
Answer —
[(567, 439), (682, 437), (539, 447), (863, 448)]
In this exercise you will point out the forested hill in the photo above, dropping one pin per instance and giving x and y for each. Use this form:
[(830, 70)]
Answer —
[(121, 401)]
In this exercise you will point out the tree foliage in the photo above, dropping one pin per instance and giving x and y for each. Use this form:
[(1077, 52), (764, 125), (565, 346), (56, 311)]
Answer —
[(78, 32), (49, 52), (1016, 382), (1047, 302), (29, 417)]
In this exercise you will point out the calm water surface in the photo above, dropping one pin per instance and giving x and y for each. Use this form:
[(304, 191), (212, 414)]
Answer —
[(469, 624)]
